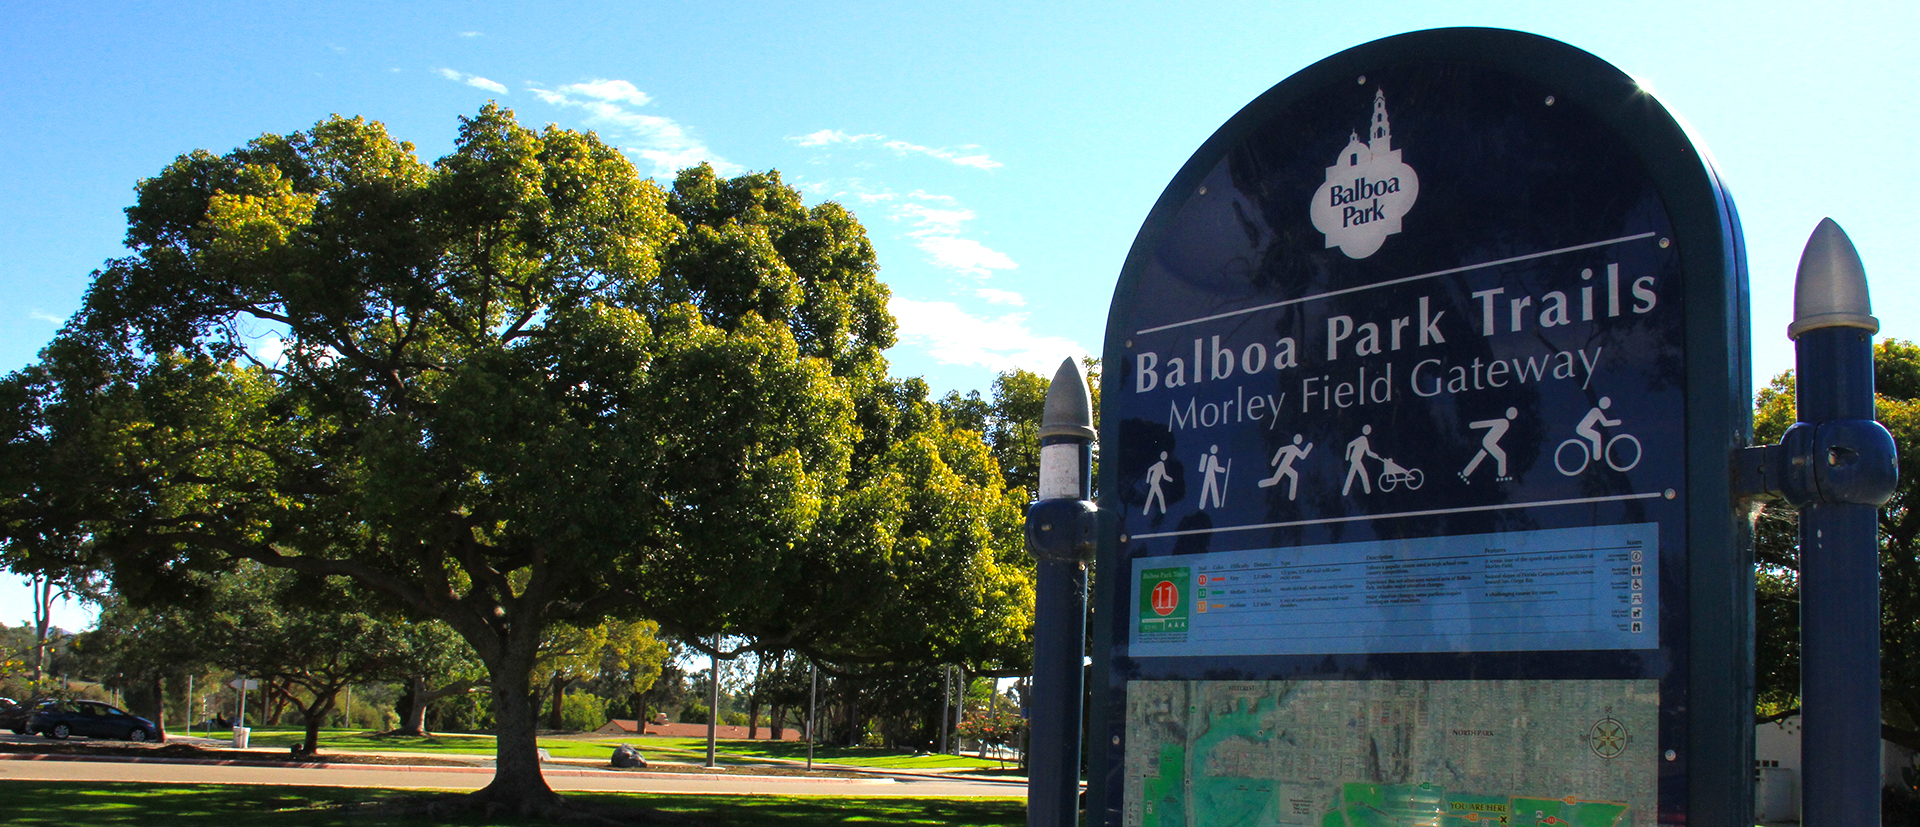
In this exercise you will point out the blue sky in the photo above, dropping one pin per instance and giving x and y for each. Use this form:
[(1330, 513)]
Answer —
[(1001, 155)]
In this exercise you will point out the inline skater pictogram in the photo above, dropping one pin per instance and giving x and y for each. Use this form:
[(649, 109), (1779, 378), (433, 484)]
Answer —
[(1490, 447)]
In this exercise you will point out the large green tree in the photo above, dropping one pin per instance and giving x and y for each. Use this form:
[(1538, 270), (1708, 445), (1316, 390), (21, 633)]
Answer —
[(1777, 651), (519, 386)]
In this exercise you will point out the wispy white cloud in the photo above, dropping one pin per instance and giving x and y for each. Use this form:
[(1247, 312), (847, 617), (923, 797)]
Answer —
[(930, 221), (997, 296), (612, 91), (965, 156), (44, 316), (968, 155), (827, 137), (474, 81), (609, 106), (469, 34), (953, 336), (937, 232), (964, 255)]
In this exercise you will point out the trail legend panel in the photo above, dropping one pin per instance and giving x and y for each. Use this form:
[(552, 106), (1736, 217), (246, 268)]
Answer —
[(1563, 589)]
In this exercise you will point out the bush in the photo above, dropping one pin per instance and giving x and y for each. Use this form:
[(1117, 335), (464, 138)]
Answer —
[(471, 712), (694, 712), (734, 719), (581, 712)]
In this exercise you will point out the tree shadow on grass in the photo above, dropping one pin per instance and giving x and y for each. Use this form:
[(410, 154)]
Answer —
[(65, 804)]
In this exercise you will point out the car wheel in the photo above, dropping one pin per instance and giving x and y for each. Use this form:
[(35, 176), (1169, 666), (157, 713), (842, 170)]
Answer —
[(138, 734), (61, 732)]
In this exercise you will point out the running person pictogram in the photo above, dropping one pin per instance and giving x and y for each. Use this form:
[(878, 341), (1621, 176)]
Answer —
[(1283, 466)]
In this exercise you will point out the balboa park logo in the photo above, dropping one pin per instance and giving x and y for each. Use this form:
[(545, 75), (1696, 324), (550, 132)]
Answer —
[(1368, 190)]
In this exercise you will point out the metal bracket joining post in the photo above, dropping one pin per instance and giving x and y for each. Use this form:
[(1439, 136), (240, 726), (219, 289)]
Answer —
[(1060, 534), (1848, 461), (1838, 466)]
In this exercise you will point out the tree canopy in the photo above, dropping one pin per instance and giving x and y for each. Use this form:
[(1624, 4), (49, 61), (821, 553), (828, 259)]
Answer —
[(1896, 374), (519, 386), (517, 390)]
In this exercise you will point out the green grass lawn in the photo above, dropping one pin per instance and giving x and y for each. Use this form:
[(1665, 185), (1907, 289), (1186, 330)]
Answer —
[(797, 751), (655, 747), (65, 804)]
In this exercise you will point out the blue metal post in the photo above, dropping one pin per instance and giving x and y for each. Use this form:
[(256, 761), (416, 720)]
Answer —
[(1060, 535), (1848, 459)]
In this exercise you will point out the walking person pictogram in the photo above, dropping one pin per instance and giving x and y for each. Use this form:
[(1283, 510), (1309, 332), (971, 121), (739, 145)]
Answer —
[(1490, 447), (1357, 452), (1217, 490), (1156, 474), (1283, 466)]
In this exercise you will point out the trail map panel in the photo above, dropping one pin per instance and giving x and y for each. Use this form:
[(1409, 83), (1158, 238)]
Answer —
[(1452, 753)]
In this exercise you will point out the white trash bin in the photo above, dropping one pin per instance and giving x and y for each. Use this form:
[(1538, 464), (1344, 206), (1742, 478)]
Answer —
[(1774, 796), (240, 736)]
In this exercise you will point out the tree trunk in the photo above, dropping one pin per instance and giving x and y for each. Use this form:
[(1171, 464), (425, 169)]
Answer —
[(853, 719), (416, 723), (159, 705), (559, 688), (753, 717), (517, 784), (316, 712), (777, 722), (276, 702), (42, 619), (406, 704)]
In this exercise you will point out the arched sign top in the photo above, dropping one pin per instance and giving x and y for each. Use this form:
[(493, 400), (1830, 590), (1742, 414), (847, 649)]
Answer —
[(1421, 378)]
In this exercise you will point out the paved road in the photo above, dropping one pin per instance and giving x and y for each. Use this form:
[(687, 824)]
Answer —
[(561, 777)]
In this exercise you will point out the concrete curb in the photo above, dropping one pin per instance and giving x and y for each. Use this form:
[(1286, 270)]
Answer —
[(315, 765)]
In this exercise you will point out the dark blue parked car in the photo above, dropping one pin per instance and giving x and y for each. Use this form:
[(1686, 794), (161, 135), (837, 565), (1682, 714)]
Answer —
[(61, 719)]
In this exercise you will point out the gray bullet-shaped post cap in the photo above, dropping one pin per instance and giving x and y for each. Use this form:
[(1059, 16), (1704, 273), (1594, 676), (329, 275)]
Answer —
[(1069, 410), (1831, 288)]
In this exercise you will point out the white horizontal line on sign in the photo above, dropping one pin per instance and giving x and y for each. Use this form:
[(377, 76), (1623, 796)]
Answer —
[(1428, 513), (1403, 280)]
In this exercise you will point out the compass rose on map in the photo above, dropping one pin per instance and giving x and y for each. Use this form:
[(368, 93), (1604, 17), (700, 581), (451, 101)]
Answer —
[(1607, 737)]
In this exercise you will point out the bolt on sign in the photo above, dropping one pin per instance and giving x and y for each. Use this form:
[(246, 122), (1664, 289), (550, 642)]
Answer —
[(1422, 377)]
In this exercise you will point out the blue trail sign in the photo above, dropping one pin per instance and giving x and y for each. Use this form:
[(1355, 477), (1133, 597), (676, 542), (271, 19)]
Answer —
[(1421, 383)]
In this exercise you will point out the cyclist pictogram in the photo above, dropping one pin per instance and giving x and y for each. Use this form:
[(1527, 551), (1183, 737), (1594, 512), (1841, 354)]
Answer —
[(1621, 451)]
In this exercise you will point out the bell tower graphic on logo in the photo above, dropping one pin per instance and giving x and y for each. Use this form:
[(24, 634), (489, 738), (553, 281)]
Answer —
[(1368, 189)]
